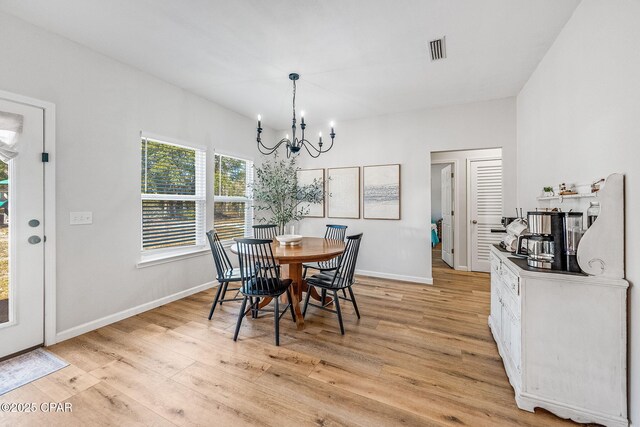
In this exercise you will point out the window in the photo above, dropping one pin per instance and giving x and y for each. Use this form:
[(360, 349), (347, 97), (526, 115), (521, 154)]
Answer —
[(173, 195), (232, 211)]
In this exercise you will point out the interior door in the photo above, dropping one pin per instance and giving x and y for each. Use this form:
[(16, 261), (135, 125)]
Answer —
[(21, 229), (446, 183), (485, 210)]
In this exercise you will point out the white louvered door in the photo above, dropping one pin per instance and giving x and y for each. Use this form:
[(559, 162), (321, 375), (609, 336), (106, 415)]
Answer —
[(485, 210)]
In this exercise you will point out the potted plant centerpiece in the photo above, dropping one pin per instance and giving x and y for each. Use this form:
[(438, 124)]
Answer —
[(278, 198)]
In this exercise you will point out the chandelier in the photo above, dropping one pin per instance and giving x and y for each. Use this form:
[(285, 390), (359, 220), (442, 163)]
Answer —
[(294, 145)]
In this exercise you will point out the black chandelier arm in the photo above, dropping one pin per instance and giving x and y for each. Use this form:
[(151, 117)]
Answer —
[(270, 150), (306, 145), (319, 150)]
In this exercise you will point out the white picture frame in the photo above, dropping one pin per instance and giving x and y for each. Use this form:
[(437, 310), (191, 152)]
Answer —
[(307, 177), (381, 192), (343, 188)]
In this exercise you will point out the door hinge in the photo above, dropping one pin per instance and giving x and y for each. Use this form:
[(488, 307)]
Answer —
[(451, 213), (451, 174), (45, 157), (452, 250)]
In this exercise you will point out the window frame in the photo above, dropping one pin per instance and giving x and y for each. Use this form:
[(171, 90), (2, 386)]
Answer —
[(159, 255), (248, 199)]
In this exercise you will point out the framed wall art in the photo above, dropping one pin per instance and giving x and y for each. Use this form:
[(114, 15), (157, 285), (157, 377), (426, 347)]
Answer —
[(381, 192), (343, 186), (307, 177)]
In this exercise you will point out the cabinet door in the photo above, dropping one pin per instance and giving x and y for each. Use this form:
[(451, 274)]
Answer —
[(496, 306), (511, 332), (505, 326), (515, 341)]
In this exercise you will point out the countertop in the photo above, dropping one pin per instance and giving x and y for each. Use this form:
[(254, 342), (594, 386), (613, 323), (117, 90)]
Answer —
[(521, 263)]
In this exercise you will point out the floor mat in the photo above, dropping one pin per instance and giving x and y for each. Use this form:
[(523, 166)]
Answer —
[(23, 369)]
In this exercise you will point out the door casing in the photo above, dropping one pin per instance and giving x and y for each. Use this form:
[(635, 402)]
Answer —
[(454, 198), (49, 138)]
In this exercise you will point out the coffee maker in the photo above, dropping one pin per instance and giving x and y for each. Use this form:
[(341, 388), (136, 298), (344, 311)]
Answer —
[(553, 240)]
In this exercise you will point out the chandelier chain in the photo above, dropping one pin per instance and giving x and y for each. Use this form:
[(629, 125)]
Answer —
[(294, 99)]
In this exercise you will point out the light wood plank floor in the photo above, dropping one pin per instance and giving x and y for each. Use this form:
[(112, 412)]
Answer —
[(420, 355)]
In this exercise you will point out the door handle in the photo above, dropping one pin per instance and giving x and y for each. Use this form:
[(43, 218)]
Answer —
[(474, 222), (34, 223), (34, 240)]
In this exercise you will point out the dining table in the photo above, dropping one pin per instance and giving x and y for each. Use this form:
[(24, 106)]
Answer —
[(291, 257)]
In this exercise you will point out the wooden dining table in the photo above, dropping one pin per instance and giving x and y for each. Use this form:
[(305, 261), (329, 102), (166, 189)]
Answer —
[(291, 258)]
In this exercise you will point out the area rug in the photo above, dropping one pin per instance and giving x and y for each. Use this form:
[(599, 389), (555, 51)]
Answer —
[(23, 369)]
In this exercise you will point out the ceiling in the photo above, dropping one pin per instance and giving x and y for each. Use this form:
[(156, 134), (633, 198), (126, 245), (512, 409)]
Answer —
[(357, 58)]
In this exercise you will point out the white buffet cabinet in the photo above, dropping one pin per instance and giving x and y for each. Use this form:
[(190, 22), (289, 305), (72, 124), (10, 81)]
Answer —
[(562, 339)]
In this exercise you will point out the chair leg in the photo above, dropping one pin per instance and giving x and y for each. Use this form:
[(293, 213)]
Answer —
[(293, 313), (323, 297), (344, 293), (353, 300), (240, 316), (276, 314), (304, 272), (337, 303), (254, 311), (306, 301), (224, 292), (215, 300)]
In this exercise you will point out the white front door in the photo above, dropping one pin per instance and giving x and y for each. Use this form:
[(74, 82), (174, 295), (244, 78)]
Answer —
[(21, 232), (485, 210), (447, 215)]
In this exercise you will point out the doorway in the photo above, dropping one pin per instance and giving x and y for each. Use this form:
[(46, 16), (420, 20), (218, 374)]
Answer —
[(467, 206), (22, 225), (442, 213)]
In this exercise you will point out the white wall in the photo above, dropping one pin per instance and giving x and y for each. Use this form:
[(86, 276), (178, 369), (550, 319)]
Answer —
[(101, 107), (436, 192), (578, 120), (460, 220), (402, 248)]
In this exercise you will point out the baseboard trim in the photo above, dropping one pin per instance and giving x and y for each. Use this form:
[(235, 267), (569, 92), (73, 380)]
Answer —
[(399, 277), (115, 317)]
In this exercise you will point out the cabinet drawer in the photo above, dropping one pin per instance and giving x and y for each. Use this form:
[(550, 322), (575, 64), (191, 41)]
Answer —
[(496, 264), (511, 280)]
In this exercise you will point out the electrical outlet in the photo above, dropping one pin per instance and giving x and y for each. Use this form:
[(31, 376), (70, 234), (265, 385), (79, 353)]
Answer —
[(80, 218)]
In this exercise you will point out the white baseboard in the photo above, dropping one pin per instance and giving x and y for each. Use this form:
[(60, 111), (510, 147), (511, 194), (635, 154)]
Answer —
[(399, 277), (112, 318)]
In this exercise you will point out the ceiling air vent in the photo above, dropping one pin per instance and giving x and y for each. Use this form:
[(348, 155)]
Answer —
[(437, 49)]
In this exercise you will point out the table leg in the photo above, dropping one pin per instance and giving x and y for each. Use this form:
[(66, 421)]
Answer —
[(295, 274)]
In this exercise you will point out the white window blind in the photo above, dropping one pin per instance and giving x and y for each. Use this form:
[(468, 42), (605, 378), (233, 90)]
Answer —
[(232, 207), (173, 195)]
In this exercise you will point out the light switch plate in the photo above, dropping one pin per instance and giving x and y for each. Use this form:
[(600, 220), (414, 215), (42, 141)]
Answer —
[(80, 218)]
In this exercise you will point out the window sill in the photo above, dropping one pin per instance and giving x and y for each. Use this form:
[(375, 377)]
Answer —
[(177, 255)]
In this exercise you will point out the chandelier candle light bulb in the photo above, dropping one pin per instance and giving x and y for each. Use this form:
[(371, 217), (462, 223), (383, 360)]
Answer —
[(294, 145)]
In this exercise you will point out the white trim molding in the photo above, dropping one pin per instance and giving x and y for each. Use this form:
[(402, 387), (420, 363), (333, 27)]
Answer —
[(115, 317), (456, 216), (398, 277), (163, 257), (49, 115)]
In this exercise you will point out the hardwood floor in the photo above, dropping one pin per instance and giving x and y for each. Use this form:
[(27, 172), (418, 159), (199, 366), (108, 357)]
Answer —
[(420, 355)]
